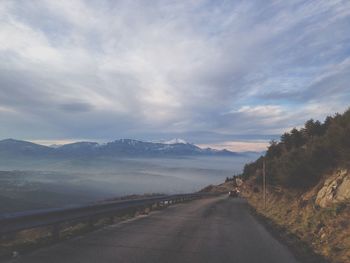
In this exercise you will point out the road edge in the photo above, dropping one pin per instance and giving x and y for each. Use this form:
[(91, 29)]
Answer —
[(302, 251)]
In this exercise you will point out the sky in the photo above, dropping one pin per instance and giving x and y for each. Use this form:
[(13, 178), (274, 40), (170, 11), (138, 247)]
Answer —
[(226, 74)]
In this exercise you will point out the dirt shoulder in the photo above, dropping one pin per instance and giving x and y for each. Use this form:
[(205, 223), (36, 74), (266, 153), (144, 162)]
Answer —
[(299, 218)]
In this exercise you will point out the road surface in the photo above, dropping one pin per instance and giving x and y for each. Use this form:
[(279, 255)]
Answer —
[(208, 230)]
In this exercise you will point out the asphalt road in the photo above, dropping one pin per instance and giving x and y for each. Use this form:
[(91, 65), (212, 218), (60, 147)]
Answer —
[(208, 230)]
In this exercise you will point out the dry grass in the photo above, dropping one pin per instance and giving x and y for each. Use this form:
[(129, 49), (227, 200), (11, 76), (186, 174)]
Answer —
[(326, 230)]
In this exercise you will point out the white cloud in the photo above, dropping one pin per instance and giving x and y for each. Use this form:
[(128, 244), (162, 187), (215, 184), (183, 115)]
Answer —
[(134, 67), (262, 110)]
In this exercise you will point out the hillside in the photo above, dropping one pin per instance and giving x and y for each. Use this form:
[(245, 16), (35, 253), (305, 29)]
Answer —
[(302, 156), (308, 186), (310, 219)]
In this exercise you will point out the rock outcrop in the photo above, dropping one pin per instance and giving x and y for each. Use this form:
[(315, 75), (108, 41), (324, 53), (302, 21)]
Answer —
[(335, 189)]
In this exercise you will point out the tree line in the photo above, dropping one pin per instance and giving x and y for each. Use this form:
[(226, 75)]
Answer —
[(302, 156)]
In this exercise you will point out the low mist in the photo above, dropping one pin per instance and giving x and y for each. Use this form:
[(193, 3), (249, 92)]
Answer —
[(61, 183)]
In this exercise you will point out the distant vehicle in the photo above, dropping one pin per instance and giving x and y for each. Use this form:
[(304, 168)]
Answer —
[(233, 193)]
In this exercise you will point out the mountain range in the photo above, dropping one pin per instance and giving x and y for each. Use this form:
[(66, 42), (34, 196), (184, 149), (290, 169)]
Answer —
[(122, 148)]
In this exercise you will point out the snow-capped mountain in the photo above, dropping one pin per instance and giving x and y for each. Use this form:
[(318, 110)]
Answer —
[(122, 147), (175, 141)]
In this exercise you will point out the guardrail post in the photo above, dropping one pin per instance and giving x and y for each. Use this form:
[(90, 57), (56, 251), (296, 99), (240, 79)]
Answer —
[(55, 232), (91, 222), (154, 206), (147, 209)]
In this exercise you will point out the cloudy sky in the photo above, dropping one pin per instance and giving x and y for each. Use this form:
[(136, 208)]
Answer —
[(222, 73)]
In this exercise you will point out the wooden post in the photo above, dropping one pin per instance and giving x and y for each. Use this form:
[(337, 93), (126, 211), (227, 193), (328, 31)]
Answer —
[(264, 183)]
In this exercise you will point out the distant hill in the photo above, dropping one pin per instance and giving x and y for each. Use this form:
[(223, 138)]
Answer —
[(19, 148), (122, 147)]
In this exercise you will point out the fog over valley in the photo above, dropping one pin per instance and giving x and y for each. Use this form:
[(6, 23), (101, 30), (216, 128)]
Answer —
[(34, 179)]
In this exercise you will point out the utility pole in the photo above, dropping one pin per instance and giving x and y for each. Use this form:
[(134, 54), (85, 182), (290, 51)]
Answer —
[(264, 183)]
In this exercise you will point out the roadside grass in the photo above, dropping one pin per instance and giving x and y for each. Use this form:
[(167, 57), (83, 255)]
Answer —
[(325, 230)]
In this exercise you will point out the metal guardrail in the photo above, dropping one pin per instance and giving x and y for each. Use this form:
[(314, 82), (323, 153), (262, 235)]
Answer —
[(54, 217)]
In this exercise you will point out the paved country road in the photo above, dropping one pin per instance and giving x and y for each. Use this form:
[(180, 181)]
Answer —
[(208, 230)]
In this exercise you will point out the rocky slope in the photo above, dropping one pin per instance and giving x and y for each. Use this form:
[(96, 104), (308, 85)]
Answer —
[(335, 189), (319, 217)]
